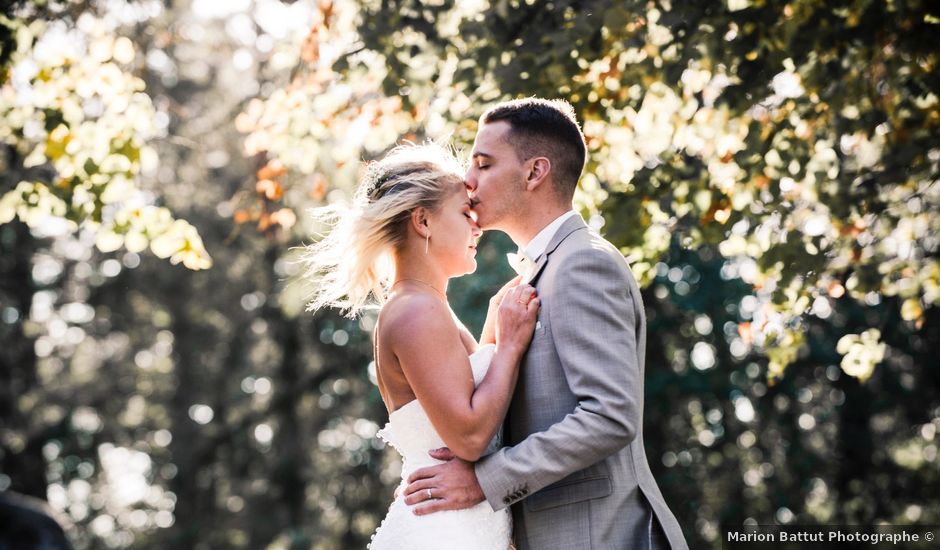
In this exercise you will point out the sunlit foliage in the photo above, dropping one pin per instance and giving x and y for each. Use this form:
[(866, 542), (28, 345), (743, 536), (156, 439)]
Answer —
[(807, 156), (769, 168), (80, 120)]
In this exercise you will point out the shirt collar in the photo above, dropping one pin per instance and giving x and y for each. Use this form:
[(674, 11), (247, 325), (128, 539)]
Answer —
[(537, 245)]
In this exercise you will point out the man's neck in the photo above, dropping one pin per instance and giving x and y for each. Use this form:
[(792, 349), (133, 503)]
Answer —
[(523, 234)]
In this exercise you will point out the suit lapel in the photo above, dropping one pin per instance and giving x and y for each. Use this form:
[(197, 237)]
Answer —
[(533, 274), (571, 225)]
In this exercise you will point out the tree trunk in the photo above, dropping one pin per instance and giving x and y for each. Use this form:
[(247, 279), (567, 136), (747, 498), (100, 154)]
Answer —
[(289, 447), (20, 458)]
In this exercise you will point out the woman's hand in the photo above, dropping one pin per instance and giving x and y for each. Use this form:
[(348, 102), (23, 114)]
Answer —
[(488, 336), (517, 313)]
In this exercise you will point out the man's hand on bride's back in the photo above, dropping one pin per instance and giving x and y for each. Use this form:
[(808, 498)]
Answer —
[(449, 486)]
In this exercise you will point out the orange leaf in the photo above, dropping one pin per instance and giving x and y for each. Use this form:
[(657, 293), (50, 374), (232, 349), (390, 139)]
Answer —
[(719, 211), (271, 170), (310, 51), (241, 216), (318, 187), (264, 222), (271, 189), (326, 6)]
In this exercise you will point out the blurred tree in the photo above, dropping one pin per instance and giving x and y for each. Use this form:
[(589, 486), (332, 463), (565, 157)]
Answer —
[(775, 148), (807, 153), (74, 129), (769, 168), (76, 126), (153, 406)]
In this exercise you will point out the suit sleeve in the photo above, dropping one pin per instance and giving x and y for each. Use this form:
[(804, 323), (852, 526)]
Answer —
[(593, 324)]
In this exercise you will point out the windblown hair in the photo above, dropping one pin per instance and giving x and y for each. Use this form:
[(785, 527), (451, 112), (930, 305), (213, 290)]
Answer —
[(545, 127), (354, 261)]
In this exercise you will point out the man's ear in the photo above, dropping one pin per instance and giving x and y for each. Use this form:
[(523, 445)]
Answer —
[(419, 221), (539, 169)]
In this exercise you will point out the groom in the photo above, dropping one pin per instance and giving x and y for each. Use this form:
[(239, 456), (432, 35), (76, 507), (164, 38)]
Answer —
[(574, 469)]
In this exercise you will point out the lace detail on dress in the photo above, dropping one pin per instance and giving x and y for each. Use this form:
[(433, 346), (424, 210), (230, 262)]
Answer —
[(411, 433)]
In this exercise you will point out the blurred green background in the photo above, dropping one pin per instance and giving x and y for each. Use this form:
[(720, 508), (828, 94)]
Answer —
[(769, 168)]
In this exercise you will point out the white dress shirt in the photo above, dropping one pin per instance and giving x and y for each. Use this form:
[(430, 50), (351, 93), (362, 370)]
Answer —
[(524, 259), (536, 247)]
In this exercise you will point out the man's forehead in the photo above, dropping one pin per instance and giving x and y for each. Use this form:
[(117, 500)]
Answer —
[(489, 138), (493, 130)]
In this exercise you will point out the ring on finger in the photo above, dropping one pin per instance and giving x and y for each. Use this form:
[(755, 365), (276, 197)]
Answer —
[(429, 494)]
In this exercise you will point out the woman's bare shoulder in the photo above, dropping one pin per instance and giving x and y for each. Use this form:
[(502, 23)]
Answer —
[(410, 315)]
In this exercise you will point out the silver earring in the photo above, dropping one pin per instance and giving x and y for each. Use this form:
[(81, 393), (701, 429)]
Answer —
[(427, 243)]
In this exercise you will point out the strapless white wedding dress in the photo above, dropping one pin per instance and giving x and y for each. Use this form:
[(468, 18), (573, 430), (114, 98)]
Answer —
[(410, 432)]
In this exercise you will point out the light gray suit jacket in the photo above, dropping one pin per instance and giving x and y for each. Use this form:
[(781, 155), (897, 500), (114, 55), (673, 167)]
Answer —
[(574, 469)]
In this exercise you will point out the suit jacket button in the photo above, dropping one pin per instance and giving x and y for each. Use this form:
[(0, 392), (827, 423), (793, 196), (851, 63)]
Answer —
[(507, 500)]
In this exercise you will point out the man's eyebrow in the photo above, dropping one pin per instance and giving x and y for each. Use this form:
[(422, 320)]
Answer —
[(482, 154)]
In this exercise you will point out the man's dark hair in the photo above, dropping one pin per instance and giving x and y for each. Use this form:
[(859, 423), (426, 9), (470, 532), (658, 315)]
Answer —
[(543, 127)]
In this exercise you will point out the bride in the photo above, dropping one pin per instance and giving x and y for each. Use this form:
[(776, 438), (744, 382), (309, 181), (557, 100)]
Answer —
[(409, 230)]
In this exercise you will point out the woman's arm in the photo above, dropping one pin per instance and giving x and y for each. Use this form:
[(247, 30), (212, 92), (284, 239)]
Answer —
[(466, 337), (428, 346), (488, 335)]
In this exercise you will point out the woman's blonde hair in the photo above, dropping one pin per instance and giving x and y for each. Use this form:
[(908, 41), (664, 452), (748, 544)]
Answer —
[(354, 260)]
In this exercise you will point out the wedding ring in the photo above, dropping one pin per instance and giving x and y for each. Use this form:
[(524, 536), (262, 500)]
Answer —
[(429, 494)]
